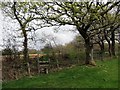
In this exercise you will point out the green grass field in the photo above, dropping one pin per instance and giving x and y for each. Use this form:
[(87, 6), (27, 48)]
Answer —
[(104, 75)]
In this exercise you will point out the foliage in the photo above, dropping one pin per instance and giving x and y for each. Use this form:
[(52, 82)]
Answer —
[(7, 51), (47, 49), (89, 18), (32, 51)]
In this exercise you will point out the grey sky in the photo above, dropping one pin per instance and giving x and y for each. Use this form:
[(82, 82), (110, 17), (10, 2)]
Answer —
[(63, 35), (0, 28)]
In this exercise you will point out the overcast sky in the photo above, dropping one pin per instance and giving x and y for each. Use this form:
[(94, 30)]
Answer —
[(0, 28), (63, 35)]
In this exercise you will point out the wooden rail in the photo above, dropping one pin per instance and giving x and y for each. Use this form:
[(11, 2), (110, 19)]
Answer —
[(43, 66)]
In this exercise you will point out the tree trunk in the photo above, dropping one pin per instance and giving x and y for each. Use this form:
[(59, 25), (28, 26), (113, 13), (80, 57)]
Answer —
[(38, 66), (23, 26), (88, 45), (113, 43), (109, 48), (89, 53), (26, 56), (102, 47), (108, 41), (57, 59)]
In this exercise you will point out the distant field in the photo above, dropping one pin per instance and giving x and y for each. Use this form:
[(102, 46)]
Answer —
[(34, 55), (30, 56), (104, 75)]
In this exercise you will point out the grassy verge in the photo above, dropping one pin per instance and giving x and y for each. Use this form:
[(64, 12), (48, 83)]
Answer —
[(104, 75)]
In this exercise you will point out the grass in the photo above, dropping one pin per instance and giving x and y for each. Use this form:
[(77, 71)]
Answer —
[(104, 75)]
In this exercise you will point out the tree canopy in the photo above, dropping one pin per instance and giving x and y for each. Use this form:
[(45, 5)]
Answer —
[(91, 19)]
